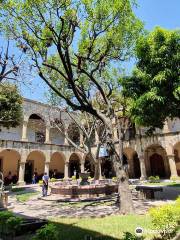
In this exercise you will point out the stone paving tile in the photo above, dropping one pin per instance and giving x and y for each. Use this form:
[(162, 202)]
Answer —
[(39, 208)]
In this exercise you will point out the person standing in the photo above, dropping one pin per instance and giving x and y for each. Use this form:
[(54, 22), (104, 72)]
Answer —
[(45, 180)]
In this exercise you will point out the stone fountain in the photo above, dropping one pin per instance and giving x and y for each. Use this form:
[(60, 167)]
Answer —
[(84, 176)]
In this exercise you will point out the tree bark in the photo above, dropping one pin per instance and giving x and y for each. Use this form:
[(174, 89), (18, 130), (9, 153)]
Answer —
[(125, 195), (97, 170)]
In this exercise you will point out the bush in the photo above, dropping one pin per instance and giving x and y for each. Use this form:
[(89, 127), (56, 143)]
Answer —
[(130, 236), (53, 180), (73, 178), (47, 232), (40, 182), (114, 178), (174, 179), (4, 215), (13, 224), (165, 219), (154, 179), (9, 223)]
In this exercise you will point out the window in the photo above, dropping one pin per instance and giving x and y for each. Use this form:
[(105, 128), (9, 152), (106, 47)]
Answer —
[(39, 137)]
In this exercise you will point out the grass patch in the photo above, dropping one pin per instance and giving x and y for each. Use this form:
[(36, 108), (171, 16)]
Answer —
[(23, 197), (20, 189), (111, 227)]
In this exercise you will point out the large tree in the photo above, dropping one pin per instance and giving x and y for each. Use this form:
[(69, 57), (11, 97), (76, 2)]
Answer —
[(10, 106), (74, 45), (155, 85), (10, 98)]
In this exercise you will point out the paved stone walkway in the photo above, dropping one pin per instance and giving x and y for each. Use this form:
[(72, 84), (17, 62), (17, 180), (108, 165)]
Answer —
[(45, 208)]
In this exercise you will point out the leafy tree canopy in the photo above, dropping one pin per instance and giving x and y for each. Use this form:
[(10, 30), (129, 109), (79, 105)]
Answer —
[(74, 44), (155, 84), (10, 106)]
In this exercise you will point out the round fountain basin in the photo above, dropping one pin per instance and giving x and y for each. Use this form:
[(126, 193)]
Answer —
[(76, 191)]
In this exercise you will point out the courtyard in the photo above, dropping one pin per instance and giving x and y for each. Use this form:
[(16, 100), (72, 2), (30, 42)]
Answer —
[(89, 120), (96, 219)]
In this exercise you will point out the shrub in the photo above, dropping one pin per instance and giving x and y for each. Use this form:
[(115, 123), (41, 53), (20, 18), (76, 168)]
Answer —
[(174, 179), (4, 215), (47, 232), (13, 224), (130, 236), (9, 223), (40, 182), (154, 179), (73, 178), (53, 180), (114, 178), (165, 219)]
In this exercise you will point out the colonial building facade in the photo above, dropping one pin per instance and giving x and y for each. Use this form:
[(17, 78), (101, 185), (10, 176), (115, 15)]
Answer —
[(38, 146)]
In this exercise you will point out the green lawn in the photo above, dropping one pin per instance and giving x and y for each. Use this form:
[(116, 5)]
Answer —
[(110, 228), (23, 197)]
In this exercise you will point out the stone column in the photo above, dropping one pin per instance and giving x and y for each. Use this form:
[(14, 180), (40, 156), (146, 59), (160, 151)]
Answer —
[(66, 170), (172, 165), (143, 168), (82, 167), (21, 173), (66, 134), (46, 168), (47, 137), (24, 131)]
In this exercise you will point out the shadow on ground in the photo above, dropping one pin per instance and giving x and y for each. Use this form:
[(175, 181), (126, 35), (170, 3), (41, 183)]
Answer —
[(65, 231)]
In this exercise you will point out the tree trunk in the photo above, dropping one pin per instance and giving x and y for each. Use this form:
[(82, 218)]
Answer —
[(97, 172), (125, 195)]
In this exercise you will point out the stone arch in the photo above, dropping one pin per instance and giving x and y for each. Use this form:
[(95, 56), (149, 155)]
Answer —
[(156, 161), (136, 166), (176, 149), (133, 162), (35, 163), (56, 166), (9, 165), (74, 164), (36, 128)]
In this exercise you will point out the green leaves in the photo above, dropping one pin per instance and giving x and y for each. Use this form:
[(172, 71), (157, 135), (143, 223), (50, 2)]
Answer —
[(154, 86), (10, 106)]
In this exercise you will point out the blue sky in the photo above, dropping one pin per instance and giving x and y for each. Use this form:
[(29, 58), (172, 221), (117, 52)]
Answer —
[(164, 13)]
